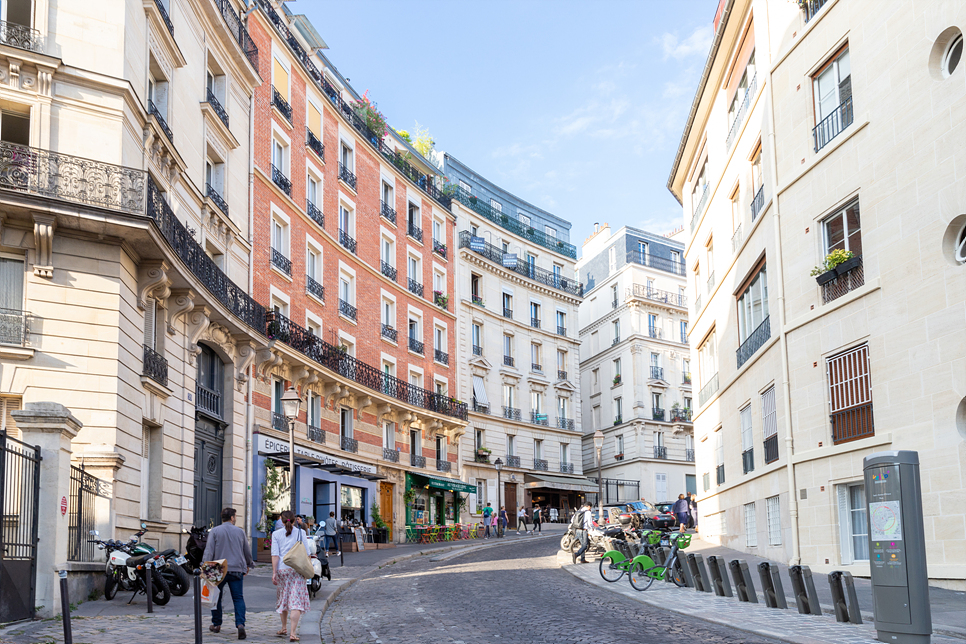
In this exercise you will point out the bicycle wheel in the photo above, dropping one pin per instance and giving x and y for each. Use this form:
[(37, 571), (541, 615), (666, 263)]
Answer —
[(610, 568), (677, 575), (639, 578)]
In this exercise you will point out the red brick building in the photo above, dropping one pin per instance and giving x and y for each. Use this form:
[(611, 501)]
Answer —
[(352, 254)]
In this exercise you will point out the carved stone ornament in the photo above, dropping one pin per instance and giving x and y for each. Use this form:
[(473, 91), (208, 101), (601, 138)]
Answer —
[(221, 336), (179, 303), (153, 282), (198, 321), (244, 357), (44, 226), (266, 360)]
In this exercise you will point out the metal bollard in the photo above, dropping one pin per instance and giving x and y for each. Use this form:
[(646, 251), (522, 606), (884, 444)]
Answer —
[(744, 584), (700, 574), (65, 608), (719, 576), (682, 563), (846, 610), (197, 593), (771, 585), (804, 590), (148, 574)]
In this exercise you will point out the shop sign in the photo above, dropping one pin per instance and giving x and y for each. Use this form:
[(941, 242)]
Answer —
[(267, 445)]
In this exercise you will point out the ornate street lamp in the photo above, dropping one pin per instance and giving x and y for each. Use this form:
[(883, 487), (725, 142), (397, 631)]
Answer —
[(498, 464), (598, 444), (290, 409)]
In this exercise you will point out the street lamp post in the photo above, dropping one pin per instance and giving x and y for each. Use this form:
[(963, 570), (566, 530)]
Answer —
[(598, 444), (498, 464), (291, 402)]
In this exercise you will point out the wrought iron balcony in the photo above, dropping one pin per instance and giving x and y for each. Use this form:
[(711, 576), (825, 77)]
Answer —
[(314, 288), (279, 103), (660, 451), (315, 214), (237, 29), (443, 466), (536, 367), (660, 263), (513, 461), (833, 124), (689, 455), (389, 270), (347, 309), (417, 460), (543, 276), (565, 423), (535, 323), (439, 248), (477, 350), (697, 303), (561, 374), (164, 16), (754, 341), (440, 356), (757, 203), (280, 180), (155, 366), (346, 175), (208, 400), (748, 460), (618, 420), (388, 212), (391, 455), (540, 464), (347, 242), (416, 346), (681, 415), (314, 144), (511, 413), (737, 238), (811, 7), (615, 341), (846, 280), (480, 408), (13, 327), (566, 468), (655, 332), (686, 378), (156, 113), (699, 207), (539, 419), (481, 457), (657, 295), (508, 361), (742, 110), (279, 422), (711, 282), (315, 434), (212, 100), (710, 388), (281, 262), (349, 444), (476, 299), (562, 330), (657, 413), (507, 313), (216, 198), (415, 287), (849, 424), (720, 474), (615, 303), (389, 332), (414, 231), (657, 373), (21, 37)]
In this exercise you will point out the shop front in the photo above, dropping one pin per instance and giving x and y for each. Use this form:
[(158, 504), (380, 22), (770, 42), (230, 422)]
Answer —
[(434, 500), (557, 496)]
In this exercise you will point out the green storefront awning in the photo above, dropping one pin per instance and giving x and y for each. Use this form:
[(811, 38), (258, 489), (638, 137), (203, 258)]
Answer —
[(443, 483)]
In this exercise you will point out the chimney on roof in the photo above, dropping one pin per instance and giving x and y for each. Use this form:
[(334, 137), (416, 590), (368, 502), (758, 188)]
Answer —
[(596, 227)]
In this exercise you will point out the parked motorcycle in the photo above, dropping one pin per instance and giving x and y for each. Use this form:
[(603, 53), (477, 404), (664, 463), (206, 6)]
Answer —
[(178, 580), (320, 565), (195, 548), (127, 571)]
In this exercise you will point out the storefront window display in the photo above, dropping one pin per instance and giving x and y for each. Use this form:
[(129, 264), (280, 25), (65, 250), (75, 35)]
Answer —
[(353, 504)]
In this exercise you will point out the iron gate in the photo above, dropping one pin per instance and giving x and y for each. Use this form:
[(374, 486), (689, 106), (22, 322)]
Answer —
[(19, 504), (83, 491)]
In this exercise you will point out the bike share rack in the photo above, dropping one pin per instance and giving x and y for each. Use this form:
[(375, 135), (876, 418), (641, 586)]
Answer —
[(685, 570), (719, 576), (771, 585), (804, 590), (699, 573), (844, 612), (744, 584)]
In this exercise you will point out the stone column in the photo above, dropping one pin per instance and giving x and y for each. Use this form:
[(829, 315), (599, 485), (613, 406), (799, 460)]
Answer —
[(51, 426)]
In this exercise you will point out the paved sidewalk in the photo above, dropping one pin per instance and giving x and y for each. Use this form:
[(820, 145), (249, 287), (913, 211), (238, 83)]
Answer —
[(785, 625)]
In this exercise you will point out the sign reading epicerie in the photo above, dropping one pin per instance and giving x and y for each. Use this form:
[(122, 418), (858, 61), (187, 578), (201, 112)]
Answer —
[(267, 445)]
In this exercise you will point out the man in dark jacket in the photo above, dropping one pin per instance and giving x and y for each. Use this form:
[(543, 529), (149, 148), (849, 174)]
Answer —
[(230, 543), (680, 510)]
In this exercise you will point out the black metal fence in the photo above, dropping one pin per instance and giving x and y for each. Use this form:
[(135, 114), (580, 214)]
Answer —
[(617, 491), (19, 505), (81, 520)]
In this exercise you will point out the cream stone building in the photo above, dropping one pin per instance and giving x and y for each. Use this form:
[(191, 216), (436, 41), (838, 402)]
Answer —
[(635, 364), (823, 126)]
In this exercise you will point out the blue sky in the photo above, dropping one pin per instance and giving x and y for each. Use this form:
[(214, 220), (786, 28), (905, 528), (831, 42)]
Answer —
[(575, 106)]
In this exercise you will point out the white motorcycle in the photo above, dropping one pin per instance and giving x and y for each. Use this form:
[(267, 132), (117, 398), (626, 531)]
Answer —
[(124, 571), (319, 565)]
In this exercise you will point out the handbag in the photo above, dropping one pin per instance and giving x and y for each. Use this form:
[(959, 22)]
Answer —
[(298, 560)]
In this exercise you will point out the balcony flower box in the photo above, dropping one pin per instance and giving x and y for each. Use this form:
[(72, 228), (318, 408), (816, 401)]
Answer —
[(847, 265), (617, 380), (619, 457), (830, 268)]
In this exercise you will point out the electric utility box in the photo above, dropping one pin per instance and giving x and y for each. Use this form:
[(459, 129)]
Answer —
[(897, 548)]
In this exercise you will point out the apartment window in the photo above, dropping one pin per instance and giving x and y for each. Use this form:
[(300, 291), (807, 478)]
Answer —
[(675, 261), (660, 486), (850, 395), (440, 449), (314, 120), (564, 453), (412, 215), (388, 252), (735, 219), (561, 360), (535, 363), (387, 194), (150, 324), (843, 231), (214, 175), (507, 305), (346, 157), (345, 220), (617, 331), (753, 307), (550, 232), (719, 455), (769, 425), (496, 205), (345, 290), (437, 231), (853, 523), (525, 220), (684, 331), (508, 346), (656, 400), (597, 421), (642, 252), (612, 258), (561, 322), (773, 512), (388, 312), (439, 282), (747, 442), (751, 526), (313, 271), (652, 325), (389, 435), (709, 252), (476, 288), (708, 359), (536, 402), (739, 97), (619, 445), (465, 186), (280, 156), (313, 191), (510, 445), (414, 331), (439, 339), (757, 180), (477, 335), (617, 371), (561, 407), (832, 88), (11, 295), (508, 396), (534, 315), (700, 187), (618, 410), (413, 268), (279, 236), (506, 247), (345, 422), (414, 442)]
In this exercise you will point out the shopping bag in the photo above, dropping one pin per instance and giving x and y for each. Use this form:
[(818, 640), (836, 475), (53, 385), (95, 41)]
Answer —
[(297, 559), (209, 592)]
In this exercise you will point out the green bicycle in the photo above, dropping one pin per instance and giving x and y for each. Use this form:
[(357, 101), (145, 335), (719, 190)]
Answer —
[(614, 564), (643, 571)]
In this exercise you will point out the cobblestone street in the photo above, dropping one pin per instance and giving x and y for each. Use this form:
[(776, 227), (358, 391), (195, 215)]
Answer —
[(514, 593)]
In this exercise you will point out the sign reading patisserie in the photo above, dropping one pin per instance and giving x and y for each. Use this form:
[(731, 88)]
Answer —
[(268, 445)]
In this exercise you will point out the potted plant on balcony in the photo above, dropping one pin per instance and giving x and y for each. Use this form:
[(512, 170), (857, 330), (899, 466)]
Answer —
[(617, 379), (619, 457), (440, 299), (618, 420), (366, 110), (473, 200), (836, 263)]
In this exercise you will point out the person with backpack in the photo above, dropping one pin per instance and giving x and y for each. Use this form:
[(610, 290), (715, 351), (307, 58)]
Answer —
[(487, 513), (522, 520), (537, 518), (582, 523)]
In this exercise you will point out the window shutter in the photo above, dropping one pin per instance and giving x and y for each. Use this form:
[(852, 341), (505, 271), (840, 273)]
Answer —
[(845, 530), (150, 326), (9, 425), (315, 121)]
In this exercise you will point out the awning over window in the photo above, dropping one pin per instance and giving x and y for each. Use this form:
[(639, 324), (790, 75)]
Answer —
[(575, 484), (443, 483), (479, 391)]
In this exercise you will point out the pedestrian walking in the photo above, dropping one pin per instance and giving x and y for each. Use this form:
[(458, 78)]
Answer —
[(522, 520), (681, 512), (331, 530), (582, 522), (693, 508), (229, 542), (487, 513), (493, 522), (537, 518), (291, 594), (504, 519)]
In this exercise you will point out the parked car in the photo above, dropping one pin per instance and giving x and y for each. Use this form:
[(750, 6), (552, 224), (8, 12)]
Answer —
[(665, 507)]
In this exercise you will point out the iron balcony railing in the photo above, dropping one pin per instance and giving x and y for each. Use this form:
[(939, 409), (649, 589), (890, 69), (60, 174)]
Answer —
[(315, 434), (155, 366), (21, 37), (565, 423), (561, 374), (748, 460), (508, 361), (771, 448), (208, 400), (414, 231), (164, 16), (543, 276), (81, 518), (833, 124), (476, 299), (539, 419), (346, 175), (686, 378), (618, 420), (156, 113), (697, 303), (657, 373), (389, 270), (279, 103), (477, 350), (349, 444), (736, 239), (534, 366), (659, 263), (660, 451), (347, 309), (391, 455), (844, 281), (742, 110), (416, 460), (13, 327), (315, 214), (754, 341), (615, 303), (615, 341), (681, 415), (481, 457), (566, 468), (216, 198), (314, 144), (541, 465), (215, 104), (507, 313), (757, 203), (711, 282), (415, 287), (657, 295), (280, 180), (416, 346), (480, 408), (811, 7), (390, 333), (237, 29), (388, 212), (314, 288), (535, 323), (689, 455), (513, 461), (347, 242), (699, 207), (439, 248), (440, 356), (561, 330), (279, 422), (709, 389), (281, 262), (657, 413), (655, 332), (512, 224), (720, 474), (511, 413), (443, 466), (852, 423)]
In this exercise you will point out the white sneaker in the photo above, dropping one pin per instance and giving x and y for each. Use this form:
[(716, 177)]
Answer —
[(338, 554)]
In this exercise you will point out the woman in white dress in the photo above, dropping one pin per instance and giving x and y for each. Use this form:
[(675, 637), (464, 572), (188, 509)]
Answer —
[(291, 595)]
